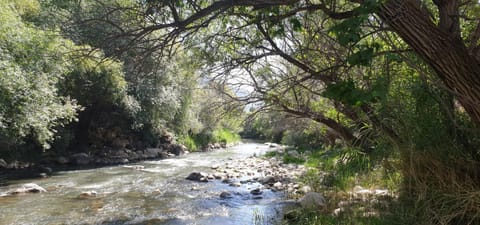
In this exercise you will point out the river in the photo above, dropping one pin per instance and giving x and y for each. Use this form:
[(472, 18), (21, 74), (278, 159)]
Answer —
[(157, 194)]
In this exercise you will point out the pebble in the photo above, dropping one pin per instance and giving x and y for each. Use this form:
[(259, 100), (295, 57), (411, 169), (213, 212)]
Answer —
[(235, 184), (226, 195), (256, 191), (88, 194)]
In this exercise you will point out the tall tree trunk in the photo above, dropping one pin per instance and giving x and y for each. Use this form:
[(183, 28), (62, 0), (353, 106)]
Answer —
[(439, 46)]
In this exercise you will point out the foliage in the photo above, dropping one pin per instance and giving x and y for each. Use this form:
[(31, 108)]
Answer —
[(199, 141), (266, 126), (437, 160), (189, 142), (306, 135), (315, 218), (292, 159), (363, 74), (32, 66), (224, 136), (94, 80)]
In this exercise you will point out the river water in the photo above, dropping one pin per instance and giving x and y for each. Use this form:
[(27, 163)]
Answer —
[(158, 194)]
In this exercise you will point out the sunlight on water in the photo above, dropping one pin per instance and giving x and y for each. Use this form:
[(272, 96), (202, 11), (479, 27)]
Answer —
[(157, 194)]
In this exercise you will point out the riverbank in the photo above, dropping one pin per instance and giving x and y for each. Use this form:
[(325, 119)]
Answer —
[(354, 192), (49, 163)]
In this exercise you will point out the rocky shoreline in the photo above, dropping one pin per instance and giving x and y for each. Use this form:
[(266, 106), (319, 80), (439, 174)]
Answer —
[(269, 174), (255, 177), (98, 158)]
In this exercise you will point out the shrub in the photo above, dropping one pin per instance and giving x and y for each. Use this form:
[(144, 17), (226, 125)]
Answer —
[(189, 142)]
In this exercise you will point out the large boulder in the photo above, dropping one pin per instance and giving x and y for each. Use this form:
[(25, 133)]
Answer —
[(80, 158), (294, 153), (27, 188), (268, 180), (313, 201), (177, 149)]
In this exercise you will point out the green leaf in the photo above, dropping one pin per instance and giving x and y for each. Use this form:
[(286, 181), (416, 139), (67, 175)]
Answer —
[(363, 57), (393, 57), (280, 31), (348, 31), (296, 24)]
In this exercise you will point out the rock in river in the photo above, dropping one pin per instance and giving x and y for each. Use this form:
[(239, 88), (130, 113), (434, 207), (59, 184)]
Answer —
[(27, 188), (235, 184), (268, 180), (88, 194), (177, 149), (225, 195), (256, 191), (198, 176)]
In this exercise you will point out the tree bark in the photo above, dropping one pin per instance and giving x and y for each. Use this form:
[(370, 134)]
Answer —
[(440, 47)]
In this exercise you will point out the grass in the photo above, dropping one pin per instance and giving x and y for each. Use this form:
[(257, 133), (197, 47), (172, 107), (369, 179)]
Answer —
[(298, 217), (432, 188), (335, 172), (197, 141), (271, 154), (225, 136), (288, 159), (189, 142), (293, 160)]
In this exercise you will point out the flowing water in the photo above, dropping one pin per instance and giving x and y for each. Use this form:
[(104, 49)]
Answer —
[(158, 194)]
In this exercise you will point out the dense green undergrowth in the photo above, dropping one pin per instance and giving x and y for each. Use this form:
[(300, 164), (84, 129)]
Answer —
[(336, 172), (199, 141)]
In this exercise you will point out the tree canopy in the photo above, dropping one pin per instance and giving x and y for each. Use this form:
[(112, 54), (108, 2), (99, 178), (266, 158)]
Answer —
[(390, 78)]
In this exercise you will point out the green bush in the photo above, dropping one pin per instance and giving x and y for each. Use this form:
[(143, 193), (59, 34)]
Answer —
[(94, 80), (189, 142), (196, 141), (224, 136), (32, 65)]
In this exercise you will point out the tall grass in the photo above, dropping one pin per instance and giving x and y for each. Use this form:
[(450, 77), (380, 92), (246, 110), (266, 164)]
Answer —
[(335, 172), (442, 191), (438, 159)]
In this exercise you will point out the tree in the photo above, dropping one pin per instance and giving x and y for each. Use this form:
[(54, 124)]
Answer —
[(32, 65), (445, 34)]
